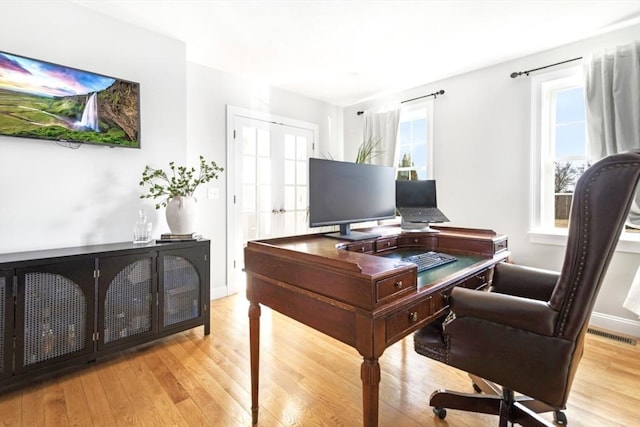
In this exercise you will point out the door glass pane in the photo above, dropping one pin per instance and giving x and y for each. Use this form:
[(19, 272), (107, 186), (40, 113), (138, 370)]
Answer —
[(289, 146), (248, 170), (302, 221), (264, 143), (301, 148), (264, 198), (301, 198), (264, 224), (264, 171), (249, 226), (289, 223), (289, 198), (248, 141), (289, 172), (301, 173), (248, 198)]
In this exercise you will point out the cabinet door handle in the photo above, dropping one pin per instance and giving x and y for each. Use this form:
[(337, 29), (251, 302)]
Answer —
[(398, 284), (413, 316)]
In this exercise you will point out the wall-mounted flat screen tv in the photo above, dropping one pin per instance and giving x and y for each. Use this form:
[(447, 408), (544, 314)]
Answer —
[(42, 100)]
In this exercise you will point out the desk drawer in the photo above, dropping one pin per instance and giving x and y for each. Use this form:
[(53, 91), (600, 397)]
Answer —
[(479, 281), (362, 247), (399, 324), (426, 242), (393, 287), (386, 244)]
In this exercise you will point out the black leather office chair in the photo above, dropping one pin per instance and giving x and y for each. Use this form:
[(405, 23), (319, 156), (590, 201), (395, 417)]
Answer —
[(527, 333)]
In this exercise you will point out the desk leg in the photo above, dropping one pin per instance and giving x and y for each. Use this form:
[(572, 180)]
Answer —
[(370, 374), (254, 350)]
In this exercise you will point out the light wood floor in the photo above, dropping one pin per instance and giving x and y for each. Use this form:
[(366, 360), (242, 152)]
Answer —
[(307, 379)]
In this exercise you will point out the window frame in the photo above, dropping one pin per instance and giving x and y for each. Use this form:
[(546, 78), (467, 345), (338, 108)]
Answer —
[(542, 230), (410, 110)]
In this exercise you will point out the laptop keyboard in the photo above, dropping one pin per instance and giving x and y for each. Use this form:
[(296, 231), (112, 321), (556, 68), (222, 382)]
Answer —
[(423, 213), (429, 260)]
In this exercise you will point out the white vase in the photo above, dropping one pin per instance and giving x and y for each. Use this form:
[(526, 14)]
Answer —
[(182, 214)]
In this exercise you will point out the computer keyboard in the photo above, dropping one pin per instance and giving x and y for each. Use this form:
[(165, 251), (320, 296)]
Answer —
[(428, 260)]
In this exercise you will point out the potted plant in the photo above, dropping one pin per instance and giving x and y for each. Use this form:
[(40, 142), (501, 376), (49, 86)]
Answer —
[(176, 191)]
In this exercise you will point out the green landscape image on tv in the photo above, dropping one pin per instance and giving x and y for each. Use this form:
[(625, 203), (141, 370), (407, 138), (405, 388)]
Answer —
[(42, 100)]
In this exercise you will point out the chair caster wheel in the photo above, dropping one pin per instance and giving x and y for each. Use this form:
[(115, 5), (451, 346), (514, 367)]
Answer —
[(476, 388), (560, 418), (440, 412)]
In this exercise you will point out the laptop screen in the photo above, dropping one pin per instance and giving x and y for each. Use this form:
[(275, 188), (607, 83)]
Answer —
[(416, 194)]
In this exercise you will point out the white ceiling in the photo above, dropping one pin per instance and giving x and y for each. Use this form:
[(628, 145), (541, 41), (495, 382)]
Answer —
[(344, 52)]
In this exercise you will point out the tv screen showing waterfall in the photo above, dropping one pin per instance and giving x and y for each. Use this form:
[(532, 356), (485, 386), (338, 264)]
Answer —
[(42, 100)]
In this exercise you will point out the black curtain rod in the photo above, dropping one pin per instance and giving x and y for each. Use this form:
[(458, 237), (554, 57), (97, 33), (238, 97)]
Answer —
[(519, 73), (434, 94)]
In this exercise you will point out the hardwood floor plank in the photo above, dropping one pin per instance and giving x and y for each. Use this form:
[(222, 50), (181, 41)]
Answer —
[(166, 378), (55, 405), (97, 400), (123, 409), (33, 405), (212, 378), (192, 413), (75, 400), (155, 407), (10, 408), (306, 379)]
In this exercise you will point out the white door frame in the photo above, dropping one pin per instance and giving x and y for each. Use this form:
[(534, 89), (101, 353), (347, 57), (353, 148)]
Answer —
[(232, 215)]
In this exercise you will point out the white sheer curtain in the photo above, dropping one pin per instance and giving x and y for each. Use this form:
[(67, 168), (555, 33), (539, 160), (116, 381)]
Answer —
[(382, 126), (613, 106)]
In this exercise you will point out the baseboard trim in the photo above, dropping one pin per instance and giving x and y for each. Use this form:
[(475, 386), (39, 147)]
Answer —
[(616, 324), (219, 292)]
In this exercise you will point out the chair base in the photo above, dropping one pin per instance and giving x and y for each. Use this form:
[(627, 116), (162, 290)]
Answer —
[(522, 410)]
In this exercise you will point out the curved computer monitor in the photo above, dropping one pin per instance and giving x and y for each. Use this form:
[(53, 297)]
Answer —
[(344, 193)]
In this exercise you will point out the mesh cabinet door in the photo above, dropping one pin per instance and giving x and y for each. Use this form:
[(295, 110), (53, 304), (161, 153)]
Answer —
[(180, 287), (127, 292), (54, 312)]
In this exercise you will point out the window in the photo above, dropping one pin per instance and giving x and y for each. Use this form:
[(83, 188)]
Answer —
[(560, 154), (414, 152), (560, 145)]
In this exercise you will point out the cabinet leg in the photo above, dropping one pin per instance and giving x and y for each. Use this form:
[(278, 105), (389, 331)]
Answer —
[(370, 375), (207, 320), (254, 350)]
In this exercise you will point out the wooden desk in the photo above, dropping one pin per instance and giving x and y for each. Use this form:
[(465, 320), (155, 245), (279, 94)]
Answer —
[(358, 292)]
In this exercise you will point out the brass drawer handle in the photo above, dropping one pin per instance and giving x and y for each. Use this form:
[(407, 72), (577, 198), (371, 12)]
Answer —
[(398, 284), (413, 316)]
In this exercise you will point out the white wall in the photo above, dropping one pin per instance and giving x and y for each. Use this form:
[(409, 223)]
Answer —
[(51, 196), (482, 162), (209, 91)]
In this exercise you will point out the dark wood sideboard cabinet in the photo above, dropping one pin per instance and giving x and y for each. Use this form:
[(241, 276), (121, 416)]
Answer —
[(69, 306)]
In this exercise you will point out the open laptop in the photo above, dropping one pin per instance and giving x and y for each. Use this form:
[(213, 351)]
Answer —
[(416, 202)]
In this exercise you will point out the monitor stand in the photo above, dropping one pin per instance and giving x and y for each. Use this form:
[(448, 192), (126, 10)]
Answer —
[(345, 233), (422, 227)]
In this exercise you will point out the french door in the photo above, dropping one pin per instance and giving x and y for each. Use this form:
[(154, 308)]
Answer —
[(268, 188)]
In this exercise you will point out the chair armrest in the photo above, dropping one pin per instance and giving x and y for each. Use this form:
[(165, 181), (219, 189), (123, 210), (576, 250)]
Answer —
[(523, 281), (517, 312)]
